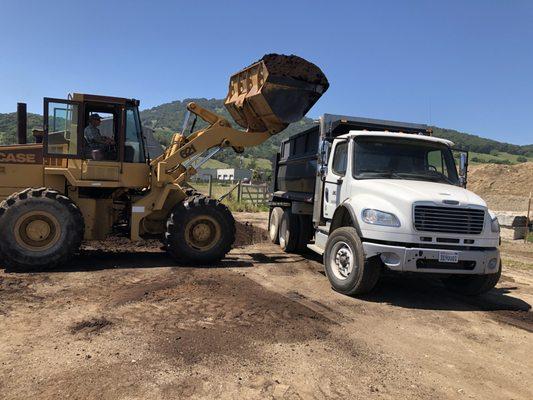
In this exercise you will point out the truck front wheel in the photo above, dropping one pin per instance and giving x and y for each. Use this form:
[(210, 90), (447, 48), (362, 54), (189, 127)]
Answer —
[(472, 285), (346, 268)]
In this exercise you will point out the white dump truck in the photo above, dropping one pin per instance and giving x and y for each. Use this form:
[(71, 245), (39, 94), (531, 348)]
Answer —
[(371, 195)]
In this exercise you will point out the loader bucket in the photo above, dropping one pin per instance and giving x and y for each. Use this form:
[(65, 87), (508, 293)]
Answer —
[(273, 92)]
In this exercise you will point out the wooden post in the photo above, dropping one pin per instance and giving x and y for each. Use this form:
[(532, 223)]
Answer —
[(239, 192), (527, 218), (210, 190)]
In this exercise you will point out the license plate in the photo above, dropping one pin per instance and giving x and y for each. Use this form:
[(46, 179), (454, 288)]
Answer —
[(448, 257)]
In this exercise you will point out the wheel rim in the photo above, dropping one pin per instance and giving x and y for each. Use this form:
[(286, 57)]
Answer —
[(342, 260), (283, 232), (202, 232), (37, 230)]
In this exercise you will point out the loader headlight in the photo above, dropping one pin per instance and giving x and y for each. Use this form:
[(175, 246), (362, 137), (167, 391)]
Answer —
[(377, 217)]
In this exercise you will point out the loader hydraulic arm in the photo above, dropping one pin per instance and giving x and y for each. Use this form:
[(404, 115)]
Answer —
[(263, 98), (170, 167)]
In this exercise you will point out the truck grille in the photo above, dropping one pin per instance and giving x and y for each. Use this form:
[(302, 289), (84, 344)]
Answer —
[(449, 219)]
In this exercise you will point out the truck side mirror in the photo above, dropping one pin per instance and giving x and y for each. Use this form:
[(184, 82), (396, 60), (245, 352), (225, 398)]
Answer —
[(323, 158), (463, 168)]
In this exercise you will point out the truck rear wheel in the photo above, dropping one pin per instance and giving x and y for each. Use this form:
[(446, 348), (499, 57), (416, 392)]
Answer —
[(274, 223), (472, 285), (289, 231), (200, 230), (346, 268), (39, 228), (306, 231)]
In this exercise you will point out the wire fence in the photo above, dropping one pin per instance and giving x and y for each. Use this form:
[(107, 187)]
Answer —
[(256, 194)]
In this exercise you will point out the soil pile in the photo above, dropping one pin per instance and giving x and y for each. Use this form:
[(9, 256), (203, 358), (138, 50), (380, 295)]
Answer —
[(503, 187)]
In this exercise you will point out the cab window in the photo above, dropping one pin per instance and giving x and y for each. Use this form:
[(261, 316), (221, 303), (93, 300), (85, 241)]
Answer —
[(133, 146), (340, 159), (62, 129)]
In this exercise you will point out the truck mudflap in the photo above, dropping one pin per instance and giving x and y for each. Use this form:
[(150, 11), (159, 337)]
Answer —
[(398, 258)]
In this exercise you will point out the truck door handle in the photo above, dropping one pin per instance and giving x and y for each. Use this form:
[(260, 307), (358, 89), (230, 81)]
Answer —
[(339, 181)]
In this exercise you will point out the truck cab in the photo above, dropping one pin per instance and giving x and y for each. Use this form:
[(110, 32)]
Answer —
[(384, 198)]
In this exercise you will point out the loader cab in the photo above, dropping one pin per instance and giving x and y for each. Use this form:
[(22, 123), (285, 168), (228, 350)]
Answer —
[(118, 156)]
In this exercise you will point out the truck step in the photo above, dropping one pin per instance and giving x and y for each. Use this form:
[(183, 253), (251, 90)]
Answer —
[(315, 248)]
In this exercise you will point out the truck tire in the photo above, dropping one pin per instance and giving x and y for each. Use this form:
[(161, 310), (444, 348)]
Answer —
[(472, 285), (306, 231), (274, 223), (289, 231), (346, 268), (40, 228), (200, 230)]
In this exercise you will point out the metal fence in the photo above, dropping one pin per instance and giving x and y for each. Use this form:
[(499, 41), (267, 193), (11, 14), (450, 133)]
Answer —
[(257, 194)]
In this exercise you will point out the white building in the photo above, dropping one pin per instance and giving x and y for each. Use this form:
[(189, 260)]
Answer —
[(233, 174)]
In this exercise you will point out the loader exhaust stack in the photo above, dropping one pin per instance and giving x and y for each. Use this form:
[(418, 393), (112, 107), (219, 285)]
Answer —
[(273, 92), (22, 123)]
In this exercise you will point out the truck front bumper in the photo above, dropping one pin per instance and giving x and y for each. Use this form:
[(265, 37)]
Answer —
[(412, 259)]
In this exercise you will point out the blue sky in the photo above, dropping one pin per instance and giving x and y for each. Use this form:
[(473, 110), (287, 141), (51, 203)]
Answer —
[(466, 65)]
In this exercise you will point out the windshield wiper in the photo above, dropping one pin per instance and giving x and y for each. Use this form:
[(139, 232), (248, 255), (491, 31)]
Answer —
[(381, 174), (431, 175)]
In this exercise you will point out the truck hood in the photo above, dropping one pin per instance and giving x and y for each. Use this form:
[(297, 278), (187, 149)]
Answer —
[(410, 191)]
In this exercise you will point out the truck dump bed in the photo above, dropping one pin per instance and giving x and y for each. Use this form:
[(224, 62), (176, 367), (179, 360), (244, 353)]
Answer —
[(296, 165)]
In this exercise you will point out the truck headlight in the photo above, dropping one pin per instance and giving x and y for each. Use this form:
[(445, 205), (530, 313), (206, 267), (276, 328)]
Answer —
[(377, 217), (494, 225)]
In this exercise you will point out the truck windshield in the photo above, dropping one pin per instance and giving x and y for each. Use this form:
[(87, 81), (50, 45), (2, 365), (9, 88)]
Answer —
[(384, 158)]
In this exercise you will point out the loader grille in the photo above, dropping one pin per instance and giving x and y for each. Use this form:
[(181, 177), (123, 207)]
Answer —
[(449, 219)]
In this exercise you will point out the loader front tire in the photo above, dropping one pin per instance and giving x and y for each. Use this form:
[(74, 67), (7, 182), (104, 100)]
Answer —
[(39, 228), (200, 230)]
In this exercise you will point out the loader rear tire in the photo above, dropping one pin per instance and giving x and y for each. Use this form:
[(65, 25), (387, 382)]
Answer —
[(200, 230), (39, 228)]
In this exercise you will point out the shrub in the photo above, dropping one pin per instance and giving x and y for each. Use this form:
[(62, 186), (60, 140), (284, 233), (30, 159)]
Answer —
[(521, 159)]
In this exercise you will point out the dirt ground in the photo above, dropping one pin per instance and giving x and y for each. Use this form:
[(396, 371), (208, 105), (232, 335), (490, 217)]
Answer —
[(129, 323)]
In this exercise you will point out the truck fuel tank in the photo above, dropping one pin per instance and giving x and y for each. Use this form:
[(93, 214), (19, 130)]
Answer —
[(274, 92)]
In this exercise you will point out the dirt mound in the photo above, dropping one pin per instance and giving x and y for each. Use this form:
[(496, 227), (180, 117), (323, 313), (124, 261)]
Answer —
[(504, 187), (249, 233)]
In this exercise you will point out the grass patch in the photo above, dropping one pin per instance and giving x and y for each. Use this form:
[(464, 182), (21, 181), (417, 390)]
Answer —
[(244, 206), (517, 264), (501, 157)]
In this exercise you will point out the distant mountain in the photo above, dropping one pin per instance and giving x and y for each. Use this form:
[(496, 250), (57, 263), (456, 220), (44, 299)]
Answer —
[(166, 119)]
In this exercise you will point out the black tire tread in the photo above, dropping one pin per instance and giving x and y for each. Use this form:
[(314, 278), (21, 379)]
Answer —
[(472, 285), (174, 243), (291, 244), (371, 268), (73, 239)]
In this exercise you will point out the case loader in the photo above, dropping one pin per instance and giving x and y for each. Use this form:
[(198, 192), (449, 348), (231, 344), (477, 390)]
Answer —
[(62, 190)]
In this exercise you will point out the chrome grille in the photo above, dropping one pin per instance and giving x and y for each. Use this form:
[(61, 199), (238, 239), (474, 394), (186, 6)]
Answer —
[(449, 219)]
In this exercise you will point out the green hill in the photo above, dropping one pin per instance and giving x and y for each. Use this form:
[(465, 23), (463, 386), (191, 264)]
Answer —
[(166, 119)]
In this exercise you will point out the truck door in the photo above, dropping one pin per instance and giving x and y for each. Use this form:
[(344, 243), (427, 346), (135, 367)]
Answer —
[(335, 186)]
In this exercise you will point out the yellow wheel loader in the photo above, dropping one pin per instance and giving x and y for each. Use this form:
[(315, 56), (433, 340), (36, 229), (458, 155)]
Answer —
[(89, 174)]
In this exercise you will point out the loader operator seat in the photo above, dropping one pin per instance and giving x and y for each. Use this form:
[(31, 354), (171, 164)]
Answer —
[(97, 146)]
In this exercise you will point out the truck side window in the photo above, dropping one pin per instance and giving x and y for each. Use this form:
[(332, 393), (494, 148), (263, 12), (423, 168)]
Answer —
[(435, 161), (340, 159)]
